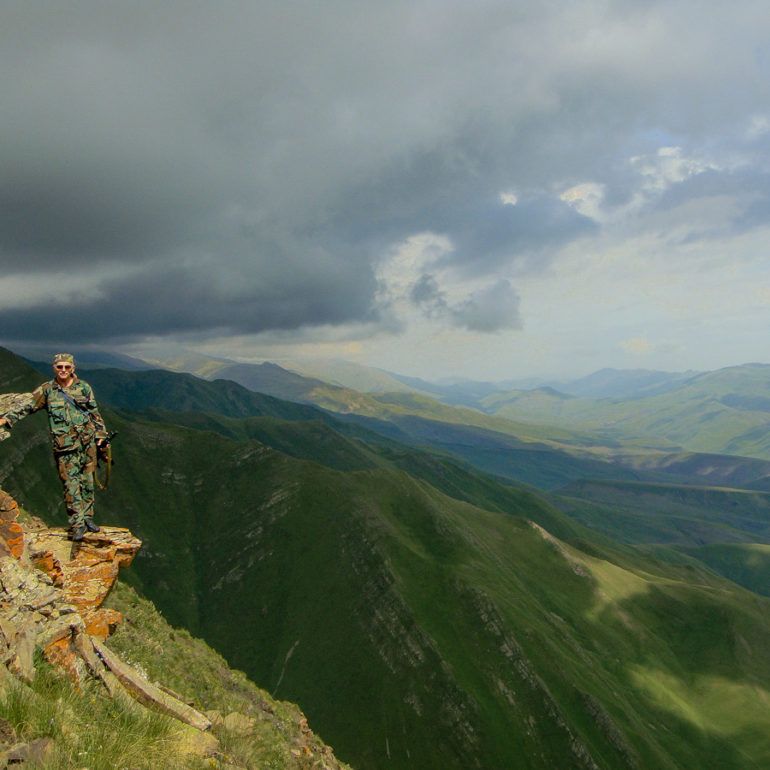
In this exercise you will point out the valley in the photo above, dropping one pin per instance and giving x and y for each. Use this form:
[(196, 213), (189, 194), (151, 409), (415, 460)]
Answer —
[(439, 594)]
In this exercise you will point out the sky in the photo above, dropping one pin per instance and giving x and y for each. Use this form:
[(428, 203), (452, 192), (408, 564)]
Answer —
[(440, 188)]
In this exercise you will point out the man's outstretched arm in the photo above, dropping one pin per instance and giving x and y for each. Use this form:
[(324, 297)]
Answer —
[(9, 419)]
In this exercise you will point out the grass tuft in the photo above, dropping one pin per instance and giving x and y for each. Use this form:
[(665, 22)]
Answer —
[(90, 729)]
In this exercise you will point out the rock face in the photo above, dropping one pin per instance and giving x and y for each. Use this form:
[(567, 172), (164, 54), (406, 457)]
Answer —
[(51, 595), (11, 533), (85, 571)]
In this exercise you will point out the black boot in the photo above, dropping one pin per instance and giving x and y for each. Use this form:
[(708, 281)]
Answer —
[(91, 527), (77, 533)]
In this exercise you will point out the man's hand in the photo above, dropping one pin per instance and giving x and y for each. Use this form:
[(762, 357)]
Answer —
[(3, 421)]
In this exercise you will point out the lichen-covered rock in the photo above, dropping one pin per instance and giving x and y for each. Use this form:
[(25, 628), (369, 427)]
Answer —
[(85, 571), (239, 724), (11, 532)]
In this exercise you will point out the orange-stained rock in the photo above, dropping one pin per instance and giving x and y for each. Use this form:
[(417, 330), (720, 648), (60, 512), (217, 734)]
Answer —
[(47, 562), (11, 533), (102, 623), (85, 571), (61, 653)]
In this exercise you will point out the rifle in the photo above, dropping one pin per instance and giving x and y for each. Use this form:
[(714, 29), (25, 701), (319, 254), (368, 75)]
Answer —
[(104, 460)]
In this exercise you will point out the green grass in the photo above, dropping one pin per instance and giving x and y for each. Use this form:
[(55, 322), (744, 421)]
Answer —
[(189, 666), (684, 515), (91, 730), (88, 728), (747, 564), (415, 613), (366, 592)]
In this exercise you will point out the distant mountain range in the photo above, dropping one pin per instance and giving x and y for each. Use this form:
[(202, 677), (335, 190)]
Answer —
[(726, 411)]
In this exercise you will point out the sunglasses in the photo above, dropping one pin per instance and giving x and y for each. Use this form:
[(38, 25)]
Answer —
[(63, 367)]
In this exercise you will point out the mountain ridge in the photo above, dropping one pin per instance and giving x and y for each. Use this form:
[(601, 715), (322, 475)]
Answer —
[(471, 622)]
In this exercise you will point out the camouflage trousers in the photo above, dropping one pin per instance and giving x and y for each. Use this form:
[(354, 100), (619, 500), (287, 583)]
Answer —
[(76, 471)]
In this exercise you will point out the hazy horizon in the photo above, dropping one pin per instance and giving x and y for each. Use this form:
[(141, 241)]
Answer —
[(305, 365)]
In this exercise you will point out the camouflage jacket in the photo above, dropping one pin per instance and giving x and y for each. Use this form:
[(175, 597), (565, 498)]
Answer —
[(71, 425)]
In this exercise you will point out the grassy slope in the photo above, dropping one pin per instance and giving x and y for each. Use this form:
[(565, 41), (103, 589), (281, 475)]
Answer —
[(403, 592), (669, 513), (726, 529), (276, 381), (725, 411), (464, 636), (183, 392), (368, 592), (542, 437), (189, 666), (89, 729), (747, 564)]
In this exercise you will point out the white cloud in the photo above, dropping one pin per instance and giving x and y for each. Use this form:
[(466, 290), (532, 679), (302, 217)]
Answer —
[(586, 198), (415, 282), (668, 166)]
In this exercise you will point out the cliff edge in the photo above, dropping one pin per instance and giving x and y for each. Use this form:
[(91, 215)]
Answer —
[(52, 593)]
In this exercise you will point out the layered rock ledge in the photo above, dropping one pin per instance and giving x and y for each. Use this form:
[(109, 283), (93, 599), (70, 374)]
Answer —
[(51, 596), (86, 571)]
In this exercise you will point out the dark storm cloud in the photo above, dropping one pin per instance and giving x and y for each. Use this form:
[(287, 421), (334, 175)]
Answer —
[(245, 165), (490, 233), (178, 301)]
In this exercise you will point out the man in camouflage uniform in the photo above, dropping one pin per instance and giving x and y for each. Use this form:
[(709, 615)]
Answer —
[(76, 428)]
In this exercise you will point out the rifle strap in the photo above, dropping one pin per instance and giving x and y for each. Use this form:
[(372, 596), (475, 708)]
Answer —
[(67, 397)]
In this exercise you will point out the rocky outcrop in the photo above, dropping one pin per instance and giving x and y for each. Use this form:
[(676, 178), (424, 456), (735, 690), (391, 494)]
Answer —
[(51, 596), (85, 572), (11, 533)]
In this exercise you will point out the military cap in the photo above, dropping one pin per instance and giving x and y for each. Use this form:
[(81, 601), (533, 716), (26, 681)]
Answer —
[(66, 358)]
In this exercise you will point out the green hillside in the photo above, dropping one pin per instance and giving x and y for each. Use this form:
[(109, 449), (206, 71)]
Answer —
[(422, 614), (687, 515), (392, 593), (345, 374), (747, 564), (402, 401), (16, 375), (90, 729), (725, 411), (417, 630), (545, 438), (159, 389)]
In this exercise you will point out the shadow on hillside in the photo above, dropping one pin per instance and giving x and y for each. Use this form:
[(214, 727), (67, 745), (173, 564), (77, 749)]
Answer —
[(700, 671)]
